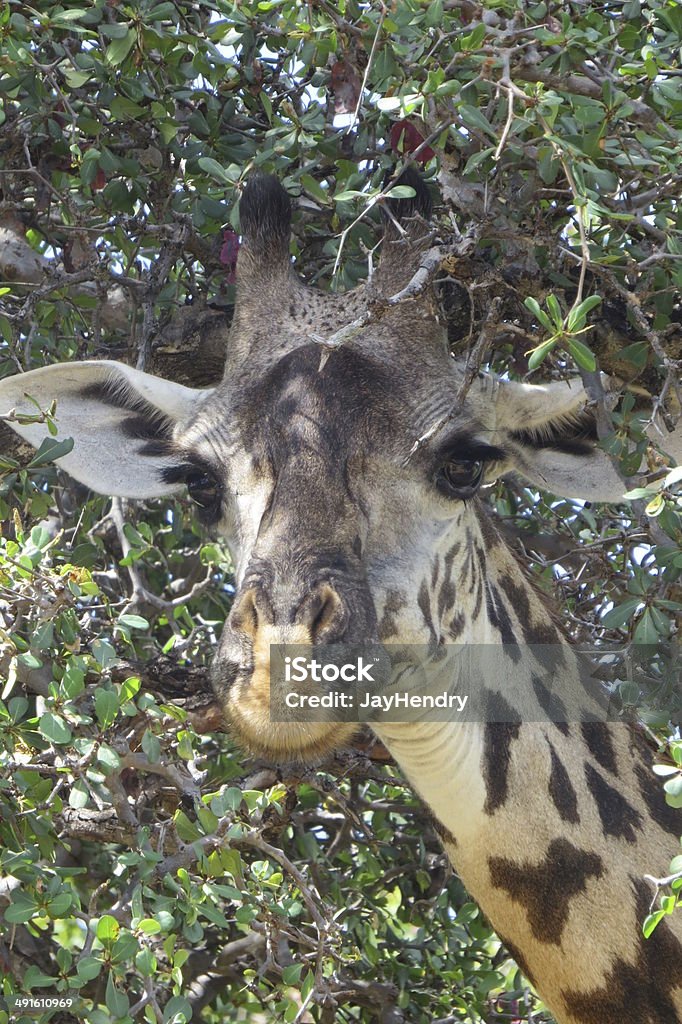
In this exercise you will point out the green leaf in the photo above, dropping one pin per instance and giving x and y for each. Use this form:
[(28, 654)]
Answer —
[(106, 706), (116, 30), (540, 353), (108, 930), (215, 170), (88, 968), (49, 451), (133, 621), (117, 1002), (645, 631), (124, 948), (581, 353), (163, 12), (314, 189), (641, 492), (291, 975), (118, 49), (60, 905), (393, 900), (578, 315), (673, 787), (79, 795), (208, 820), (149, 926), (307, 986), (650, 922), (637, 355), (54, 728), (342, 197), (165, 919), (186, 829), (229, 800), (534, 306), (151, 745), (655, 506), (77, 79), (400, 192), (474, 117), (620, 614), (23, 908), (34, 978), (555, 311), (74, 14), (668, 904), (108, 758), (103, 652), (129, 688), (177, 1010), (146, 963), (29, 660)]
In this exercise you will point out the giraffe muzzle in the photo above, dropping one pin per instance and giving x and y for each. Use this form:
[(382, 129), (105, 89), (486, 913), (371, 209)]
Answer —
[(270, 611)]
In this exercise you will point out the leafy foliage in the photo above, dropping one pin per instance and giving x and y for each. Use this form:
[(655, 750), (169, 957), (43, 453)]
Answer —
[(147, 873)]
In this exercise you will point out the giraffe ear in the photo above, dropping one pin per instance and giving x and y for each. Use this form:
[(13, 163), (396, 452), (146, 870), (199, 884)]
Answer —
[(551, 439), (121, 422)]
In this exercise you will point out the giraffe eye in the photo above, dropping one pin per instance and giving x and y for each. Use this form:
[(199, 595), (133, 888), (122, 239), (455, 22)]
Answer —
[(204, 489), (459, 478)]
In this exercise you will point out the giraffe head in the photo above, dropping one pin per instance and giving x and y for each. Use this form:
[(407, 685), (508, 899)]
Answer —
[(335, 475)]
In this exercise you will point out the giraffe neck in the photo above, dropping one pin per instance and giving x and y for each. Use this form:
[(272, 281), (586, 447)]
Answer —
[(553, 827)]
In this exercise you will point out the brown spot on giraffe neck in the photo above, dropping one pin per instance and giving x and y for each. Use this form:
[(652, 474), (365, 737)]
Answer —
[(561, 789), (546, 889), (639, 992), (618, 817), (446, 597), (551, 704), (478, 600), (500, 732), (456, 626), (498, 617), (478, 567), (450, 557), (535, 631), (600, 745), (394, 604), (424, 604)]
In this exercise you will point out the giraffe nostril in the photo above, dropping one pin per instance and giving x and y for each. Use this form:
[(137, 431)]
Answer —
[(324, 613), (332, 619), (249, 612)]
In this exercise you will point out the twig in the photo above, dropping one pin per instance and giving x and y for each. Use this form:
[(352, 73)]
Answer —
[(375, 42), (506, 83), (661, 883), (158, 275), (579, 204)]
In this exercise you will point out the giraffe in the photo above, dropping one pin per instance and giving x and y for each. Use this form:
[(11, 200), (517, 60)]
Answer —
[(342, 529)]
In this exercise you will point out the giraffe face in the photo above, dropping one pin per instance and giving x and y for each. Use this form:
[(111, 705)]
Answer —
[(330, 517)]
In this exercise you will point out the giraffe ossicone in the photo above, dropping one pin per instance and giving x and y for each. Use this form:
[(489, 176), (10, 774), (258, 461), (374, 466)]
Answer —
[(338, 537)]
